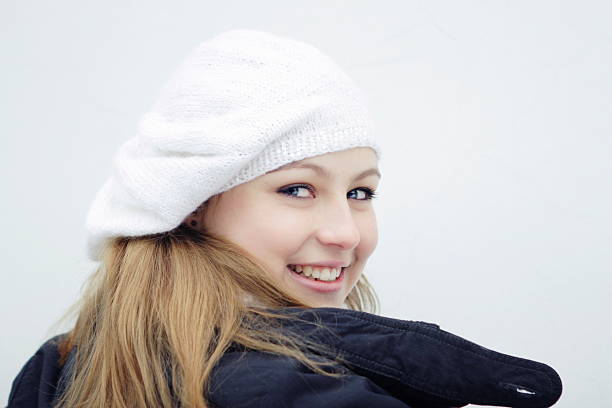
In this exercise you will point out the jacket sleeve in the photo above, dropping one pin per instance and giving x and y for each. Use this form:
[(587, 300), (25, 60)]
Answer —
[(257, 379), (35, 384), (19, 394)]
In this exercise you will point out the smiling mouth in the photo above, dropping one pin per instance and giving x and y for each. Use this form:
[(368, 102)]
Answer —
[(324, 275)]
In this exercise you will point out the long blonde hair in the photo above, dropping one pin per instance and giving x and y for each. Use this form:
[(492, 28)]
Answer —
[(160, 311)]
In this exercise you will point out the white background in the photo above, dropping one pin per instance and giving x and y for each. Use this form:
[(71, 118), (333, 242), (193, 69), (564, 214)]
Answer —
[(494, 118)]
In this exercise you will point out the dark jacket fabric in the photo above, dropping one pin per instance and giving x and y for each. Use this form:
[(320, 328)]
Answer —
[(388, 363)]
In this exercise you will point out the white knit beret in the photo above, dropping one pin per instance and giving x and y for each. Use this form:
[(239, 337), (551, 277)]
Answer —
[(241, 104)]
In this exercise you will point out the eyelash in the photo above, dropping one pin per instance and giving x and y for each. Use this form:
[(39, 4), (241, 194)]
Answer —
[(370, 194)]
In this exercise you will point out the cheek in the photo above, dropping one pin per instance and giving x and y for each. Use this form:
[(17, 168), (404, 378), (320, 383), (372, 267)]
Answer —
[(369, 237), (268, 235), (275, 230)]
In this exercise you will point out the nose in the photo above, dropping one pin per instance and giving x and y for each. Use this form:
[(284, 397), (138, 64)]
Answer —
[(337, 226)]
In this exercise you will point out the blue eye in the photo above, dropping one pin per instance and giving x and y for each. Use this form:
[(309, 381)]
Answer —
[(369, 193)]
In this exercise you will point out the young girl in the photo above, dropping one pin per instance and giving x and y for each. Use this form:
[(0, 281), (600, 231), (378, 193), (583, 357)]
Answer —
[(232, 237)]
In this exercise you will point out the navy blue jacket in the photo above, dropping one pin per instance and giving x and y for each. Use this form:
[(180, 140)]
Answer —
[(391, 363)]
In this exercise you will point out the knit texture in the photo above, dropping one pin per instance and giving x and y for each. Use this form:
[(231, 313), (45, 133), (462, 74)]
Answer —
[(241, 104)]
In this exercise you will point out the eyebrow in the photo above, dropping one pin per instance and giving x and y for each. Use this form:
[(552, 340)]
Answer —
[(320, 170)]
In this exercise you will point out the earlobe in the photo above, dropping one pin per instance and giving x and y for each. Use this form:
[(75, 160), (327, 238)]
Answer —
[(192, 220), (196, 218)]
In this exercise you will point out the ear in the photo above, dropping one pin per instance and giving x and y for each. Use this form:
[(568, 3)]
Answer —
[(191, 221), (194, 219)]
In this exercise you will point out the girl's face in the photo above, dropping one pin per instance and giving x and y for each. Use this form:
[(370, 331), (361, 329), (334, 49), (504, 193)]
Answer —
[(316, 211)]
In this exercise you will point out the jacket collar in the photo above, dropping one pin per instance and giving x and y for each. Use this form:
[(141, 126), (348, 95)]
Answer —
[(422, 364)]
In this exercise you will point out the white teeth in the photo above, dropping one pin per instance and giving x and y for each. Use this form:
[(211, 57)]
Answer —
[(308, 270), (324, 274)]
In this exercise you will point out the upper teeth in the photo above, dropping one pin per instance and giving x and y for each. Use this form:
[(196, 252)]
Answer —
[(321, 273)]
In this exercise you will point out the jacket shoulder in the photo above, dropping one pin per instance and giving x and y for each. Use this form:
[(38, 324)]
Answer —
[(35, 384), (253, 379)]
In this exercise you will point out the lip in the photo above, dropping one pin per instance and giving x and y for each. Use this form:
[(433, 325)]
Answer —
[(329, 264), (318, 286)]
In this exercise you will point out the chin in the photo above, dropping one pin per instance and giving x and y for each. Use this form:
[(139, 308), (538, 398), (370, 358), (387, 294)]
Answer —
[(329, 303)]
